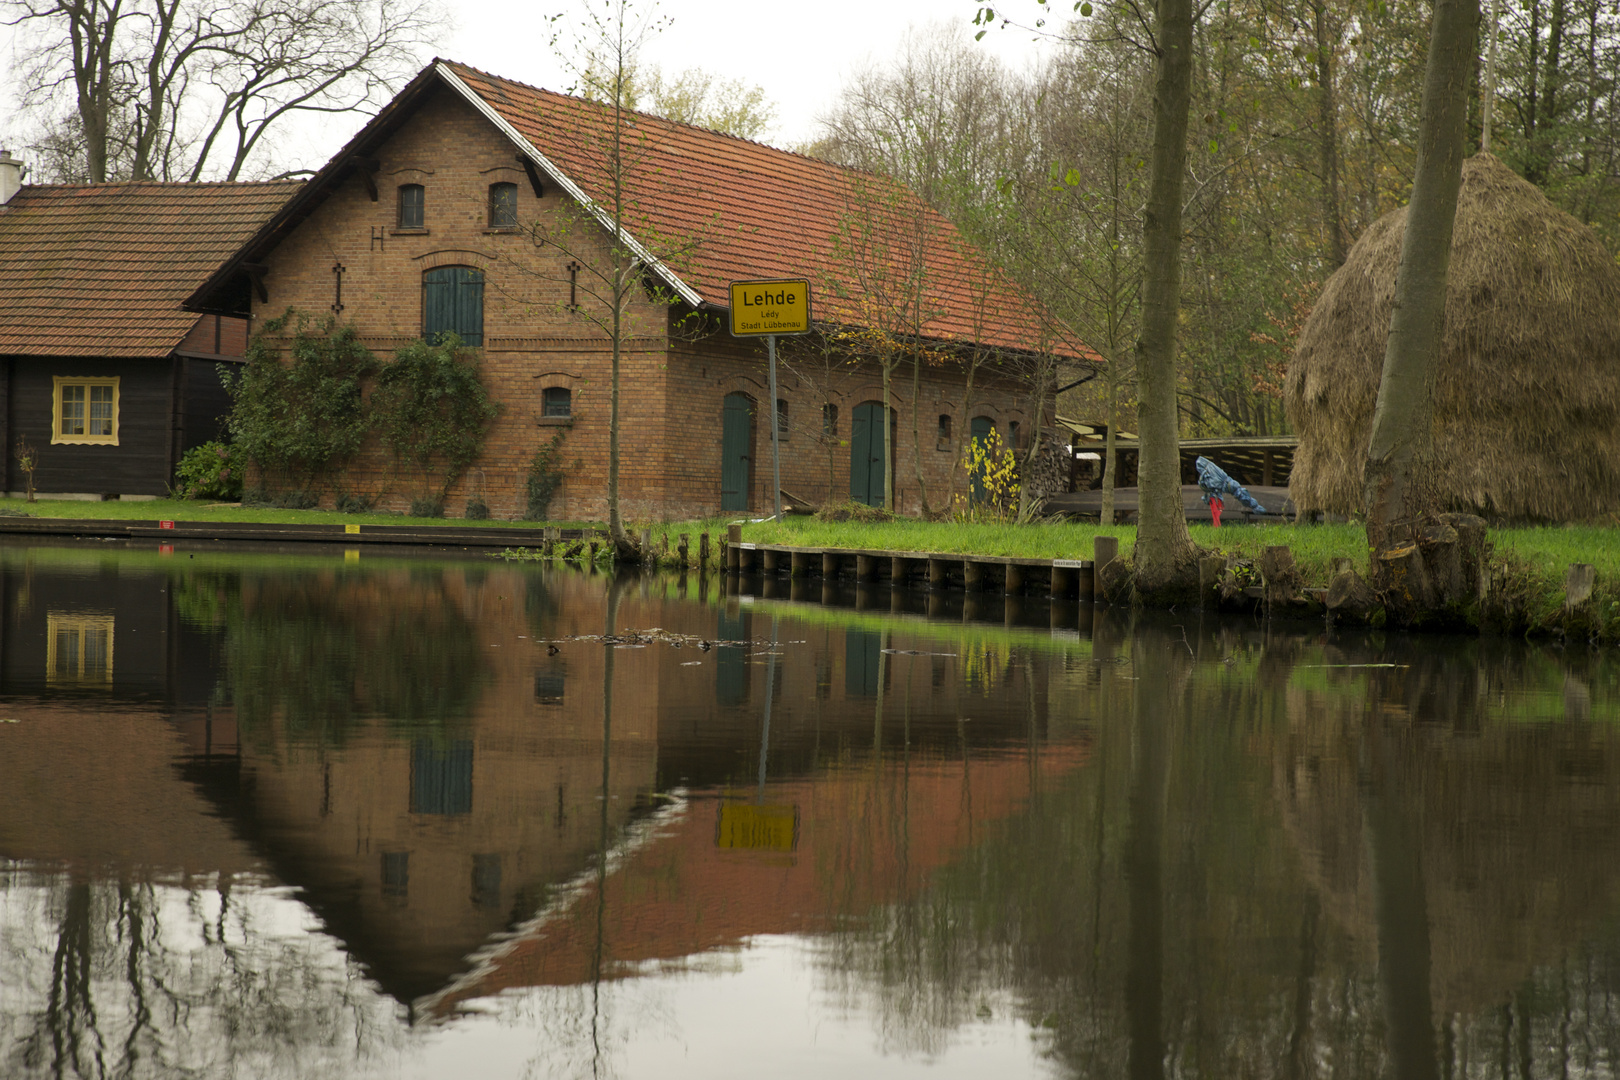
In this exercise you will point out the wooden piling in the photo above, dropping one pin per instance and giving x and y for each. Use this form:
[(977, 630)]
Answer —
[(770, 559), (865, 567), (684, 551), (799, 565), (1013, 582), (972, 575), (938, 575), (1210, 568), (899, 567), (703, 552), (1104, 550), (829, 565), (1578, 585)]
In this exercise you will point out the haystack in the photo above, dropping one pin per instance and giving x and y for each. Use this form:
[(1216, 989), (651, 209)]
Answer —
[(1527, 395)]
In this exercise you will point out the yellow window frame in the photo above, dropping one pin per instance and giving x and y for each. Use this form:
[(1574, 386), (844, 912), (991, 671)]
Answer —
[(58, 435), (68, 648)]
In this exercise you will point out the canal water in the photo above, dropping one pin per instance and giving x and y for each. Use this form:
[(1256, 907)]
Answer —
[(343, 815)]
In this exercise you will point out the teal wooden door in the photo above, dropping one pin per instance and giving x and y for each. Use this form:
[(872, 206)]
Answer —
[(982, 427), (736, 442), (866, 454), (453, 303)]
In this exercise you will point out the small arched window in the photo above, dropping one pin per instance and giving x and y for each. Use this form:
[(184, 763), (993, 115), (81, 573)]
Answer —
[(503, 213), (453, 303), (944, 442), (412, 204), (556, 402)]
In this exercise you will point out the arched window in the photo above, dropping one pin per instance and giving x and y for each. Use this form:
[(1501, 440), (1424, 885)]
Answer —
[(453, 303), (412, 202), (944, 442), (556, 402), (503, 213)]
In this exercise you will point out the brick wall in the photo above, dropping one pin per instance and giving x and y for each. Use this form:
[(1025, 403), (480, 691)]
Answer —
[(673, 388)]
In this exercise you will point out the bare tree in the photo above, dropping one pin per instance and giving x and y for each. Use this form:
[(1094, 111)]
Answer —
[(187, 89)]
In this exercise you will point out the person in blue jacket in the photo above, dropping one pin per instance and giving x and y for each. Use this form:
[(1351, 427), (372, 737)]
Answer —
[(1214, 483)]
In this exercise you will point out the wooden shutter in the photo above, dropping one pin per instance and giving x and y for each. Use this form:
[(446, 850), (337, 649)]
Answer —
[(453, 302)]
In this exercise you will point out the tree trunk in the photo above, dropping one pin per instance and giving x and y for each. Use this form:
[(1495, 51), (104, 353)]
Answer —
[(1109, 470), (1399, 473), (888, 440), (1328, 112), (916, 434), (1164, 551)]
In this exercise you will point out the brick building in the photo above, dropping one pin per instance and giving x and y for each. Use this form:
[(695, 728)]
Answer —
[(478, 205), (102, 372)]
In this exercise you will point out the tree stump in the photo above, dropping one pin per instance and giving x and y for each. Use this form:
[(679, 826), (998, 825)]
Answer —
[(1280, 577)]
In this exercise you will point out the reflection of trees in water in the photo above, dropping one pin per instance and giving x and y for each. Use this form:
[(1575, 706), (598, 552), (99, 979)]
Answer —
[(316, 653), (1285, 784), (144, 980)]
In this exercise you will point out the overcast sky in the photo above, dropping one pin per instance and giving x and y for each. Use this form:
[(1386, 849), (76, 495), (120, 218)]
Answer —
[(799, 52)]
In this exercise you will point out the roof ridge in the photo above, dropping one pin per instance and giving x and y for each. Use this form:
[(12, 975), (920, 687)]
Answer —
[(666, 120), (184, 185)]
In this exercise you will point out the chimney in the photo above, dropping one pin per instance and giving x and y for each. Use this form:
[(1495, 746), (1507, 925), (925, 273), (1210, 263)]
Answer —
[(11, 175)]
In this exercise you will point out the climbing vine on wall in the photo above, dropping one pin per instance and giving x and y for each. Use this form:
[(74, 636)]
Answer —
[(432, 413), (301, 420)]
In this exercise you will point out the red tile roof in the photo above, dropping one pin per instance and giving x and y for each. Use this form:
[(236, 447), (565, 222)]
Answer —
[(758, 212), (101, 269)]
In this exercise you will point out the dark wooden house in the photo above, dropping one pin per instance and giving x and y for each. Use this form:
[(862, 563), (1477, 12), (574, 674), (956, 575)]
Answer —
[(102, 374)]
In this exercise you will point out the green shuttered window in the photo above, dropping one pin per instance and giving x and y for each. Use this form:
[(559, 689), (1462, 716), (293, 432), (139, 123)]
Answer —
[(453, 303)]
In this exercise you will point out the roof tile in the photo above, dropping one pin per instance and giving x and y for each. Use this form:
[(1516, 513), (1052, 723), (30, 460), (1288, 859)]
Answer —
[(101, 269)]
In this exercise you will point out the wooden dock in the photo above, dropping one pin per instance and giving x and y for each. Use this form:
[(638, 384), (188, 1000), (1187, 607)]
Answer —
[(1062, 578)]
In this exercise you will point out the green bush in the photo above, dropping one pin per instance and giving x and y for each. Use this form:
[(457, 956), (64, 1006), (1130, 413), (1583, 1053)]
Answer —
[(210, 471)]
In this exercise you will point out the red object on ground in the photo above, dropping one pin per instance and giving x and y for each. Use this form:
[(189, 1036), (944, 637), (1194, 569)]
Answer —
[(1215, 507)]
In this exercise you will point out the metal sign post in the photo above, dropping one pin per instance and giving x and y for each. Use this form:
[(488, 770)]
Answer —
[(771, 308), (776, 430)]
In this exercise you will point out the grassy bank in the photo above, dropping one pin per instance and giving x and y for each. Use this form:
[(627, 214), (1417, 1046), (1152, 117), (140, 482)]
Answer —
[(194, 510), (1528, 565)]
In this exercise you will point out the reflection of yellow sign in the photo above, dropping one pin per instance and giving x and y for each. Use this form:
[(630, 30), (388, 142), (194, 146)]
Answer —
[(757, 828), (770, 307)]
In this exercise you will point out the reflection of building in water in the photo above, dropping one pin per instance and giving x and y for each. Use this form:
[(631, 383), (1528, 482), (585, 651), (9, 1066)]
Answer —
[(79, 648), (399, 745), (867, 835)]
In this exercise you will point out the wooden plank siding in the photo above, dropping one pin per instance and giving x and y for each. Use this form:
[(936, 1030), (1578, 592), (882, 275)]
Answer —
[(141, 462)]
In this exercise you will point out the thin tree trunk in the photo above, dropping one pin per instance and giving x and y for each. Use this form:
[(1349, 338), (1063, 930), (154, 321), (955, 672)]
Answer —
[(916, 433), (888, 441), (1399, 478), (1487, 107), (1109, 470), (1328, 122), (1164, 551)]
